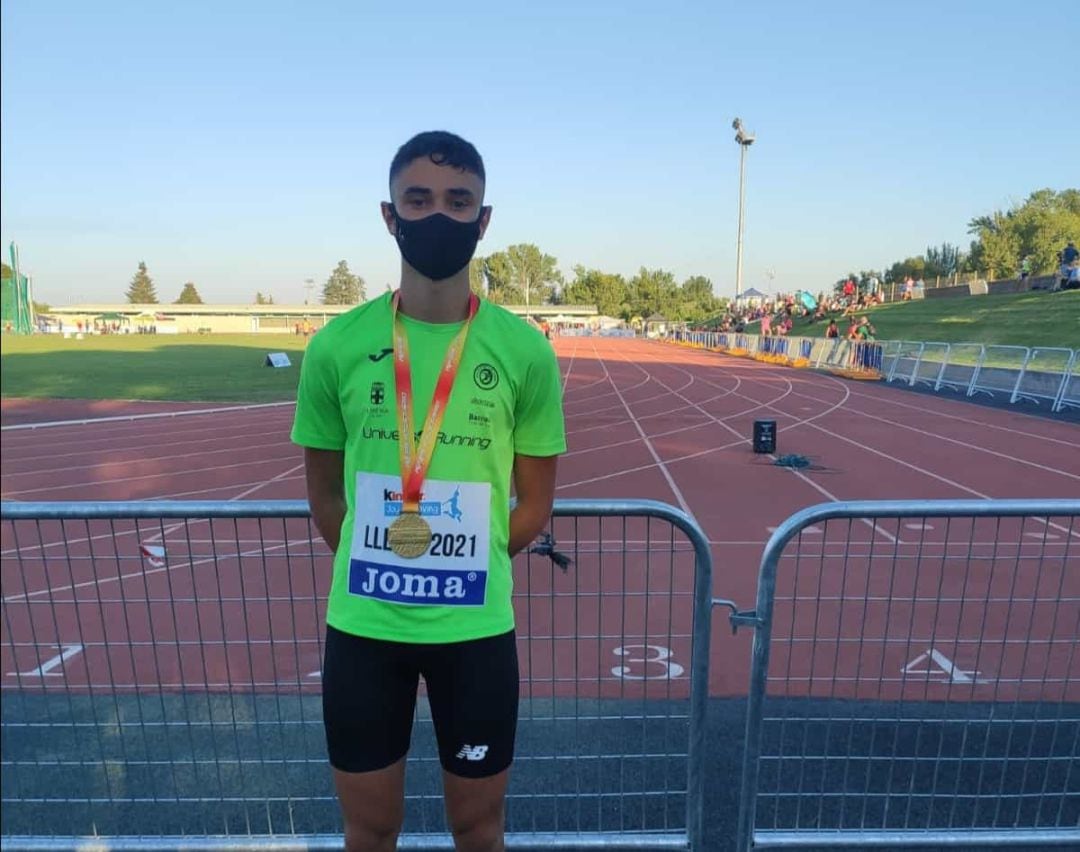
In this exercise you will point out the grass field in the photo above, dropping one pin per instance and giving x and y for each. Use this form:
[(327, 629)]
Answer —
[(211, 368), (1021, 319)]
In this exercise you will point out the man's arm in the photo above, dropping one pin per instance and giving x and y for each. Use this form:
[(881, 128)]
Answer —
[(325, 474), (534, 483)]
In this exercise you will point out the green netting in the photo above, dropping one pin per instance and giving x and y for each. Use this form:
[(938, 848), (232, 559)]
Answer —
[(16, 310), (15, 317)]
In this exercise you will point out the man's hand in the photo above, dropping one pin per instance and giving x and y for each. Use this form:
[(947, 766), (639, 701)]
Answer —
[(325, 474), (534, 483)]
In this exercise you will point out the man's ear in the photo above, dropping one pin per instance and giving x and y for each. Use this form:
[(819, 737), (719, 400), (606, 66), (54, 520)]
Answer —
[(387, 210), (485, 219)]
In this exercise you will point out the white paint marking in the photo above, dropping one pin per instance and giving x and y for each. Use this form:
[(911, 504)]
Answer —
[(918, 525), (46, 668), (671, 669), (156, 415), (645, 438), (947, 671)]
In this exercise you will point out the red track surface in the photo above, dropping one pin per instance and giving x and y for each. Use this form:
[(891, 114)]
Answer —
[(644, 420)]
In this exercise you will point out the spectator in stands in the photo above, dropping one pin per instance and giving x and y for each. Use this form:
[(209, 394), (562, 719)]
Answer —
[(865, 331), (832, 330), (853, 329), (766, 325), (1070, 254)]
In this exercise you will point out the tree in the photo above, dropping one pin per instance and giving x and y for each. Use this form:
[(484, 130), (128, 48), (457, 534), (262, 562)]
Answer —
[(1037, 229), (653, 291), (189, 295), (141, 291), (521, 275), (342, 287), (593, 287), (697, 300), (476, 275), (944, 261), (260, 299)]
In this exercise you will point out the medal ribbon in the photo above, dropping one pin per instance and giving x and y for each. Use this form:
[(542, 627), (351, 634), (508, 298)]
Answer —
[(416, 458)]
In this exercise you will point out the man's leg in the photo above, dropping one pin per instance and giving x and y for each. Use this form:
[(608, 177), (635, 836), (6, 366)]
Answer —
[(473, 689), (475, 808), (369, 696), (372, 807)]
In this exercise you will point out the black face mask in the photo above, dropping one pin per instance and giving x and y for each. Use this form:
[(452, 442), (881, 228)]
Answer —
[(437, 246)]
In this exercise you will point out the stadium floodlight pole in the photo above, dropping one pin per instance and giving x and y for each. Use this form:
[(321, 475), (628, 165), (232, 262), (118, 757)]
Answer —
[(745, 140)]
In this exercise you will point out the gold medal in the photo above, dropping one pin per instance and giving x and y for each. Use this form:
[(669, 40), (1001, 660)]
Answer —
[(409, 535)]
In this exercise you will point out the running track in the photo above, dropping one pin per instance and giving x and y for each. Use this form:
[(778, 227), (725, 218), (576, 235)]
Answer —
[(644, 420)]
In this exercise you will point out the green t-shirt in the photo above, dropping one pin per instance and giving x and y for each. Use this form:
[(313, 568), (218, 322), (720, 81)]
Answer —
[(507, 400)]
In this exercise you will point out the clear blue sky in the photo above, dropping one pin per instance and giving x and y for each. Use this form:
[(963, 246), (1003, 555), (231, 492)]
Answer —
[(244, 146)]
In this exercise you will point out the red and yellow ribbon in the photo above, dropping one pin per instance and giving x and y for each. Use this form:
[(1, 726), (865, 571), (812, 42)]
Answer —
[(415, 457)]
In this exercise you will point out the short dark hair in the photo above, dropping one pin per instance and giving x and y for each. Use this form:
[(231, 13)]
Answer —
[(443, 149)]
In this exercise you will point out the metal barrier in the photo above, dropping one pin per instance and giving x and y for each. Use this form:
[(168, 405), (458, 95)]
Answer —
[(916, 678), (1001, 370), (161, 681), (931, 364), (1044, 375), (1039, 375), (1069, 395)]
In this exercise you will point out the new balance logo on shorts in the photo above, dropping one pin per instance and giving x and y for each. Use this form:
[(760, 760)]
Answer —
[(469, 752)]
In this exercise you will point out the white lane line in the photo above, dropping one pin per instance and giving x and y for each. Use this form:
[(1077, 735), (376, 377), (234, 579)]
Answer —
[(821, 489), (88, 448), (101, 581), (122, 418), (570, 367), (164, 474), (648, 444), (874, 451), (250, 488), (982, 424), (118, 463)]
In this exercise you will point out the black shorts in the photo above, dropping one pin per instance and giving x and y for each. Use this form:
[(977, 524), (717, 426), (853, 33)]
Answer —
[(369, 698)]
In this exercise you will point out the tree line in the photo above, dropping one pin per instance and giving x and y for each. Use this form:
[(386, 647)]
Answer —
[(341, 288), (522, 274), (1027, 236)]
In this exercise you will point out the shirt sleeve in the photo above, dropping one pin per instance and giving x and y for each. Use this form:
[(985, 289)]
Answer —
[(318, 422), (539, 428)]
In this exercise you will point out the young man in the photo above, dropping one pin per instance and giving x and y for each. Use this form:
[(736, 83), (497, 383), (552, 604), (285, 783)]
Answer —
[(415, 411)]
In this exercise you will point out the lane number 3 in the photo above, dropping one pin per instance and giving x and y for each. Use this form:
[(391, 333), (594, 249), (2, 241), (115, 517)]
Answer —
[(654, 660)]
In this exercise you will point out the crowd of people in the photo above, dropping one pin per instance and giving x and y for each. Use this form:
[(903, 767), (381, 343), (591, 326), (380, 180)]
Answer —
[(777, 316)]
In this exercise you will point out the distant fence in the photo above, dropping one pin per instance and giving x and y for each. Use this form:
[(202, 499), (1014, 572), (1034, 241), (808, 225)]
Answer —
[(1043, 375), (1048, 376), (854, 358)]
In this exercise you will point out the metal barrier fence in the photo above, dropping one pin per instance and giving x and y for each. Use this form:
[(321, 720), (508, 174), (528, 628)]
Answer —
[(850, 357), (916, 678), (1042, 375), (161, 681), (1046, 375)]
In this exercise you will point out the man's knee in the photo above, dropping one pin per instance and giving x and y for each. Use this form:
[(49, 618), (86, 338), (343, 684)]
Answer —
[(380, 836), (479, 831)]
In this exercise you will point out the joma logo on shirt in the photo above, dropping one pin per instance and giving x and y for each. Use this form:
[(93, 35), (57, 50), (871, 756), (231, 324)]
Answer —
[(409, 586)]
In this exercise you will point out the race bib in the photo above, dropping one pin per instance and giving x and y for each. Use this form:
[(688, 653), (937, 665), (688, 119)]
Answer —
[(454, 570)]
